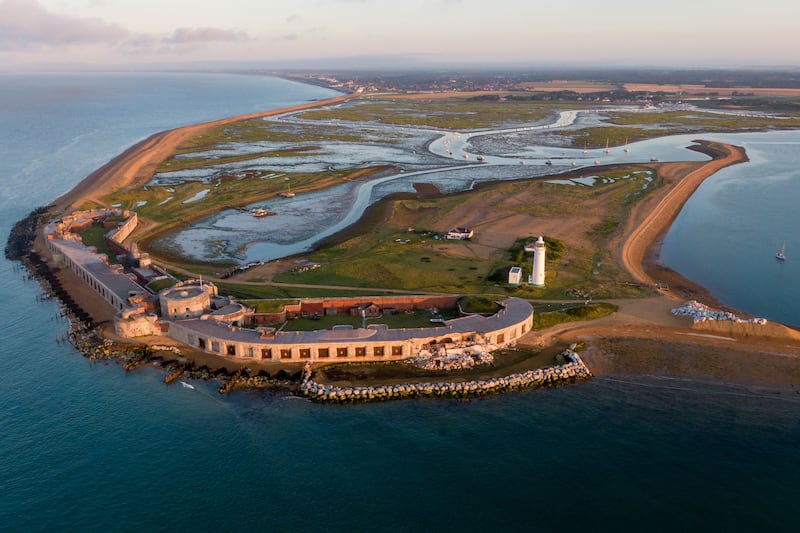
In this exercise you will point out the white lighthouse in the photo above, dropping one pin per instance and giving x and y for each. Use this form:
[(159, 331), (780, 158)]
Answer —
[(537, 276)]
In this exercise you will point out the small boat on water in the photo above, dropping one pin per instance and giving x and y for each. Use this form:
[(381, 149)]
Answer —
[(548, 163), (607, 150), (259, 212), (288, 192), (654, 159), (781, 255)]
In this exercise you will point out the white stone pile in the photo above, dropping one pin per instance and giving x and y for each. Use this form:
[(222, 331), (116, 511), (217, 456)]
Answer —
[(573, 369), (453, 358), (702, 313)]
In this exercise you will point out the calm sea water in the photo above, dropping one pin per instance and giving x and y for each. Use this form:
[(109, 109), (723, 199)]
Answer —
[(87, 447), (728, 233)]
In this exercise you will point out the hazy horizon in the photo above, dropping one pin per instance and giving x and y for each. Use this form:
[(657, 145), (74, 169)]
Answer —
[(48, 35)]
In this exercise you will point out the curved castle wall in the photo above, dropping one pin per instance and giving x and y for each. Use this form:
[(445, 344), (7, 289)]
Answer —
[(375, 343)]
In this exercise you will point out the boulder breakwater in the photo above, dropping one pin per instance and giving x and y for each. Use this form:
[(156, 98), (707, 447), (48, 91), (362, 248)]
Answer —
[(702, 313), (572, 370)]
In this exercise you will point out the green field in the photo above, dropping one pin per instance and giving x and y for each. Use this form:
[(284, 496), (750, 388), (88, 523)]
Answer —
[(440, 113)]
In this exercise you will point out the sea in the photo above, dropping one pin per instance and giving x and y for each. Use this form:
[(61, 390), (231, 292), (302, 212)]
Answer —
[(85, 446)]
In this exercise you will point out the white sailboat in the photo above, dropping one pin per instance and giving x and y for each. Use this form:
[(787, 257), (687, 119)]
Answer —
[(288, 192), (626, 145), (607, 149), (781, 255)]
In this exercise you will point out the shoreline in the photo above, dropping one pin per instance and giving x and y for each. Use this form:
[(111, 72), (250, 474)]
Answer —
[(135, 166), (642, 246)]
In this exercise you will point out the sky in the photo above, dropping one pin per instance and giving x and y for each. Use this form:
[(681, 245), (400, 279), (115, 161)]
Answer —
[(113, 34)]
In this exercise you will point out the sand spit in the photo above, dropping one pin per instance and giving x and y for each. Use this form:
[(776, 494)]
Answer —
[(136, 165), (641, 239)]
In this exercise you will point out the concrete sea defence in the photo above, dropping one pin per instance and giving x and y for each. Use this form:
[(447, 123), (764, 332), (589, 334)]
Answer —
[(572, 370)]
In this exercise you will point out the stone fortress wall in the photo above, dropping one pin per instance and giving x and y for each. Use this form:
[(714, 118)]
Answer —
[(109, 280), (189, 316), (346, 344)]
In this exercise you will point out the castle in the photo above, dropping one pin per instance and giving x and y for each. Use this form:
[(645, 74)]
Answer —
[(193, 313)]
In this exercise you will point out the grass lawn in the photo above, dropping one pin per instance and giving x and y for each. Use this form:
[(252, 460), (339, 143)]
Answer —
[(416, 319), (95, 236)]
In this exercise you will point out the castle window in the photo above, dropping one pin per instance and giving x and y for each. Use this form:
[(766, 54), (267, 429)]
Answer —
[(341, 352), (231, 349), (377, 351), (266, 353), (305, 353), (397, 350), (286, 353), (361, 351), (323, 353)]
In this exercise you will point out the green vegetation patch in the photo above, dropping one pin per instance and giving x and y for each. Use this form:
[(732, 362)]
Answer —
[(457, 113), (394, 259), (96, 236), (259, 130), (414, 319), (550, 315), (478, 304), (712, 121), (268, 306), (161, 284), (188, 163)]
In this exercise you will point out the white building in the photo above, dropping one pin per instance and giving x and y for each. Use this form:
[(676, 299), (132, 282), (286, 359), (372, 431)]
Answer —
[(537, 277), (461, 234), (515, 275)]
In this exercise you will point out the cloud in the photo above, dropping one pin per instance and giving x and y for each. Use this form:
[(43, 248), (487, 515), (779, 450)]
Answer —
[(26, 24), (205, 35), (293, 19), (291, 37)]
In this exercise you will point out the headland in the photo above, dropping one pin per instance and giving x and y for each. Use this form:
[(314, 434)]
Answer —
[(639, 324)]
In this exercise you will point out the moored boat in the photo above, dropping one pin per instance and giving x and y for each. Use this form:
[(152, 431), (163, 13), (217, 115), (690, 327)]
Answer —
[(259, 212), (781, 255)]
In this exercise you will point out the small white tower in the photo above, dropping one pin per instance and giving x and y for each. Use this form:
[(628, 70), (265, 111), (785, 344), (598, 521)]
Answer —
[(537, 277)]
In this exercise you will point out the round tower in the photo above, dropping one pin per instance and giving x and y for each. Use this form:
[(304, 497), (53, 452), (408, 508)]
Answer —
[(538, 263)]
